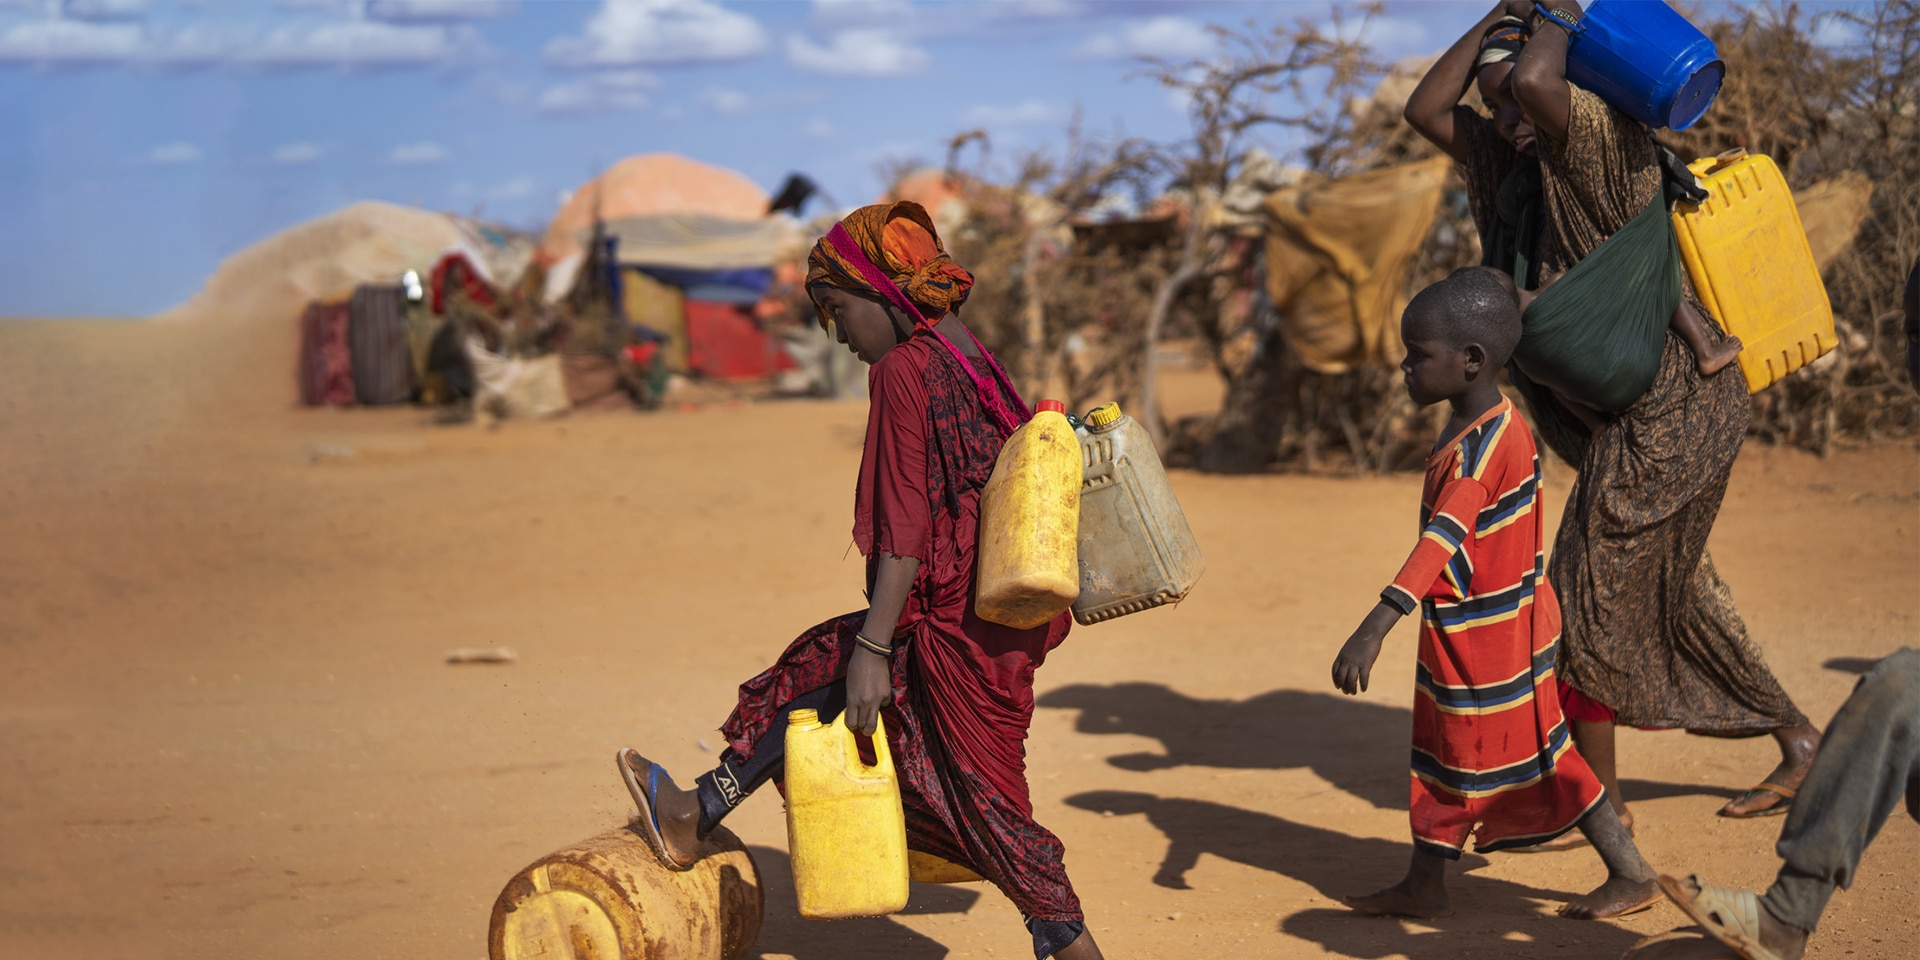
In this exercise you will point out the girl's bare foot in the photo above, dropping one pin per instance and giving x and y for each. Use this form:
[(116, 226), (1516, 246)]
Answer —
[(1617, 897), (1715, 358), (1798, 745), (1404, 899)]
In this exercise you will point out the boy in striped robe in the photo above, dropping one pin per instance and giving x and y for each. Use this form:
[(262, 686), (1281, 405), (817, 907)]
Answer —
[(1492, 758)]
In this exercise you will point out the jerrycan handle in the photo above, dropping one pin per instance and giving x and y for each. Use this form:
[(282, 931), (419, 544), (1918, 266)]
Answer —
[(882, 757)]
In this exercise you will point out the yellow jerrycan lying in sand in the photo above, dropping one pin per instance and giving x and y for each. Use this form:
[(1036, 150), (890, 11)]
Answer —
[(1136, 551), (609, 898), (1030, 524), (845, 826), (1751, 265)]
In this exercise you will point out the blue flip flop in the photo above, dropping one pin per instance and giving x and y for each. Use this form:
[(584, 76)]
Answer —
[(648, 823)]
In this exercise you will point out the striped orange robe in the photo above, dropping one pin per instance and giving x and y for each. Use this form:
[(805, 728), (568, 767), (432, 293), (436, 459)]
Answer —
[(1492, 757)]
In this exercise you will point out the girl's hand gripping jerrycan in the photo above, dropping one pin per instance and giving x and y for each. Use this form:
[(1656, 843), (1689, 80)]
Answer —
[(845, 826), (1029, 569)]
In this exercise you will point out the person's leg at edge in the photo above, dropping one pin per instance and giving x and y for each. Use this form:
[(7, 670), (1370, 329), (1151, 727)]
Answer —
[(1868, 762), (1063, 940), (687, 816), (1595, 740), (1631, 882), (1422, 894)]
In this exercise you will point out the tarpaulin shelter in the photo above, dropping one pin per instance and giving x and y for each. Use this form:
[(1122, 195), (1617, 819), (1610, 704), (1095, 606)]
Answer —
[(687, 238), (1338, 256)]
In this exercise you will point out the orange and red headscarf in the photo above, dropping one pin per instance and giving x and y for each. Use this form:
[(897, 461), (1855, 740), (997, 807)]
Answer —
[(893, 250)]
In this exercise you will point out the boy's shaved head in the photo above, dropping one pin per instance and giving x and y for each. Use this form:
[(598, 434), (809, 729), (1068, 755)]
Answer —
[(1472, 305)]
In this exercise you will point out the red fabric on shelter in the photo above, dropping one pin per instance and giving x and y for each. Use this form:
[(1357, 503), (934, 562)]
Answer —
[(476, 289), (725, 341), (963, 688), (326, 354)]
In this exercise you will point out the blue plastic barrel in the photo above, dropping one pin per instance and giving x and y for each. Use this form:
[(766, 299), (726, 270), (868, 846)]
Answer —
[(1643, 57)]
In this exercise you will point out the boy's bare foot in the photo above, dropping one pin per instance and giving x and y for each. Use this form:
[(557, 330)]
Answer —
[(1798, 745), (1784, 941), (677, 811), (1715, 358), (1617, 897), (1403, 899)]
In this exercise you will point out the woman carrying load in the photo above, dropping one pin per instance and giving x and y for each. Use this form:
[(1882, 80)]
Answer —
[(957, 692), (1651, 637)]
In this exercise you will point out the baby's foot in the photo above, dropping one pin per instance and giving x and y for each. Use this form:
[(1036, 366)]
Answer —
[(1716, 357)]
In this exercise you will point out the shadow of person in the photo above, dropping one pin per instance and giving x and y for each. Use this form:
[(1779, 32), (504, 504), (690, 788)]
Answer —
[(1488, 910), (785, 932), (1358, 746)]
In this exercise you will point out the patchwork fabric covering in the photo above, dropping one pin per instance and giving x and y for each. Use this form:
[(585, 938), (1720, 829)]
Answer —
[(326, 358)]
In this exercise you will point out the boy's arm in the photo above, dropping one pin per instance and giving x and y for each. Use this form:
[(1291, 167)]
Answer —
[(1445, 536)]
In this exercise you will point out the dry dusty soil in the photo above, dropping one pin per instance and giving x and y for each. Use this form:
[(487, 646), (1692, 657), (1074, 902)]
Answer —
[(227, 728)]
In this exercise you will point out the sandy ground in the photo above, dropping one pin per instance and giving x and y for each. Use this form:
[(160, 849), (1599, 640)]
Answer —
[(227, 729)]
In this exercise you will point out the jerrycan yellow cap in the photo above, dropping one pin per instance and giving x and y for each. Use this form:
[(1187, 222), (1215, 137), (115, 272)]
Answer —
[(803, 718), (1103, 415)]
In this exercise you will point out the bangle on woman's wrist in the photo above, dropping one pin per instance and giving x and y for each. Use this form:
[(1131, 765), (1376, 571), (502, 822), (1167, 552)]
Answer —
[(1559, 18), (871, 646)]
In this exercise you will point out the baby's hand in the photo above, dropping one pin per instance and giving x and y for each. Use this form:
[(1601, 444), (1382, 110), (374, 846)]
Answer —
[(1354, 666)]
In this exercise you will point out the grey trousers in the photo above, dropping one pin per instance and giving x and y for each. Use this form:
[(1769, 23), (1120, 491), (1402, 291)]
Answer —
[(1869, 759)]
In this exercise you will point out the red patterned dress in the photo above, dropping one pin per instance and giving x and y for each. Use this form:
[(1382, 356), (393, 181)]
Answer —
[(1492, 757), (962, 687)]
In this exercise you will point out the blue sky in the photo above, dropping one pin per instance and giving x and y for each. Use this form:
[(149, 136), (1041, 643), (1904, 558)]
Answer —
[(147, 139)]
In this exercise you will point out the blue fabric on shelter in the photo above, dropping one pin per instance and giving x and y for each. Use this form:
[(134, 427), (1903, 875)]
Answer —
[(742, 285)]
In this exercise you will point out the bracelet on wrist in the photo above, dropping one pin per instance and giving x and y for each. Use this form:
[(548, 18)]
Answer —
[(872, 646), (1559, 18)]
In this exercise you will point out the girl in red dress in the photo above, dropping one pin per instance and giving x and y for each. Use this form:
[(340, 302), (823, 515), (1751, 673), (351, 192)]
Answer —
[(957, 691)]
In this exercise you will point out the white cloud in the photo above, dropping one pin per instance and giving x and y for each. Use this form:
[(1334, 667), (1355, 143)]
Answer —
[(820, 129), (850, 12), (297, 153), (1168, 37), (727, 103), (1019, 114), (605, 92), (105, 9), (862, 53), (199, 45), (633, 32), (178, 152), (414, 154), (439, 11), (70, 43), (1831, 31), (360, 43), (516, 189)]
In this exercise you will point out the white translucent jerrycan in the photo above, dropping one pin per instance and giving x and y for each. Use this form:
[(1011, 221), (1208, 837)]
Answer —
[(1136, 551), (846, 829)]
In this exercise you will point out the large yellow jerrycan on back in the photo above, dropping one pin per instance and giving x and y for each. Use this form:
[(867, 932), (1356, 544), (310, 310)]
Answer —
[(1751, 265), (1030, 524), (845, 826)]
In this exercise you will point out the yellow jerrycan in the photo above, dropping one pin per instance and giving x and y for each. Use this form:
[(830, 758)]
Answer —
[(1136, 551), (609, 898), (1751, 265), (845, 827), (1030, 524)]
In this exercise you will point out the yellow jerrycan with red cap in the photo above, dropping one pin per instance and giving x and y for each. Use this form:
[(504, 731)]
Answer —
[(1029, 570), (846, 829)]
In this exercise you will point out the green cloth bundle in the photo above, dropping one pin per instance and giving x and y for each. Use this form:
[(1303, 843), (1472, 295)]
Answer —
[(1596, 335)]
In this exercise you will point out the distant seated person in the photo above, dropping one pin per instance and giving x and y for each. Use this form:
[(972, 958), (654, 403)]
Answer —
[(1868, 762), (643, 365)]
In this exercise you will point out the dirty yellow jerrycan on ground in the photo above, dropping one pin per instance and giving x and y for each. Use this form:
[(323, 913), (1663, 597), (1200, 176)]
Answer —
[(846, 829), (1030, 524), (609, 898)]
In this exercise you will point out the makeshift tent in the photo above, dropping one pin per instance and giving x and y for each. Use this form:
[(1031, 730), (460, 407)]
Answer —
[(725, 342), (653, 185), (1338, 257)]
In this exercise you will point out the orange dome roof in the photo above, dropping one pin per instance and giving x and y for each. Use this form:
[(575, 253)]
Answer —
[(649, 185)]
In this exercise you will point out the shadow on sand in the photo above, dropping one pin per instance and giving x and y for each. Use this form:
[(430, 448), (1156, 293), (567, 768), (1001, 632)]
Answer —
[(1358, 746), (1499, 914), (785, 932)]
